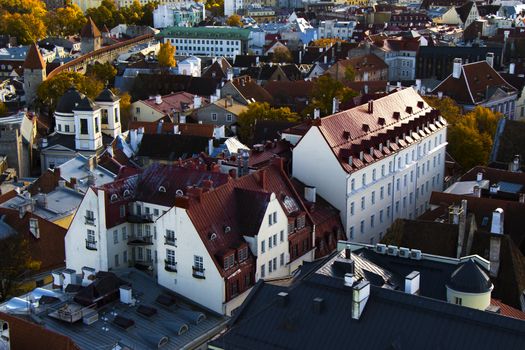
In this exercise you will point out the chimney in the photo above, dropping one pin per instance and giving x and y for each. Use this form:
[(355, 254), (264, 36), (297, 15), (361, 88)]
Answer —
[(263, 181), (456, 68), (70, 277), (309, 194), (360, 295), (365, 76), (335, 105), (197, 101), (182, 119), (479, 176), (92, 163), (349, 279), (194, 192), (61, 183), (497, 222), (440, 94), (126, 296), (318, 305), (514, 166), (490, 58), (317, 113), (325, 59), (91, 179), (418, 85), (506, 34), (229, 100), (521, 198), (229, 74), (462, 225), (158, 99), (371, 106), (476, 191), (282, 299), (412, 283), (512, 68)]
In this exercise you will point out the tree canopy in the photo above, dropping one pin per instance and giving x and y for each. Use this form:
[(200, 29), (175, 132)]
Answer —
[(282, 55), (324, 90), (325, 42), (15, 263), (109, 15), (234, 21), (216, 7), (261, 111), (166, 55), (3, 109), (65, 21), (103, 72), (470, 135), (52, 89)]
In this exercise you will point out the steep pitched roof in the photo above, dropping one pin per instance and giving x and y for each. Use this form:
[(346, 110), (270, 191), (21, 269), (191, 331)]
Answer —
[(90, 30), (170, 146), (34, 59), (476, 82), (249, 89), (464, 10)]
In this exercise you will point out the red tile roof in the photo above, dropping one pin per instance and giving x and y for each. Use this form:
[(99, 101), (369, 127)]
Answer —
[(34, 59), (25, 335), (171, 103), (476, 81), (507, 310), (250, 90), (356, 130)]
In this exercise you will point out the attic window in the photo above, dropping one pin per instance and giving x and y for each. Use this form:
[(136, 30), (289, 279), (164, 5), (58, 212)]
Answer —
[(127, 194), (229, 261), (227, 229), (420, 104), (242, 254), (396, 115), (381, 121), (409, 110), (366, 127), (213, 236), (162, 189), (114, 197), (179, 193)]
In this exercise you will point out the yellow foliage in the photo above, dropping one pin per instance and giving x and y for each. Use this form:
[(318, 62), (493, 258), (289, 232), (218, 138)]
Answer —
[(166, 55)]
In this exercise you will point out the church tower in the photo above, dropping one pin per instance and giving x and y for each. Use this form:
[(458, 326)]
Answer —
[(34, 73), (91, 37), (110, 112)]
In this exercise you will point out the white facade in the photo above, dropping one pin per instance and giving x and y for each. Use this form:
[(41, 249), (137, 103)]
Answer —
[(206, 47), (372, 197), (88, 130), (190, 66), (401, 65), (232, 6), (336, 29)]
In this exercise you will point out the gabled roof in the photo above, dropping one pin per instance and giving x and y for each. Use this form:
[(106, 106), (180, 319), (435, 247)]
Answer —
[(249, 89), (464, 10), (475, 84), (34, 59), (90, 30), (171, 147)]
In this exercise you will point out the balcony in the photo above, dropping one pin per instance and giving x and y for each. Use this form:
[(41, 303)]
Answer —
[(90, 220), (91, 245), (198, 272), (170, 266), (140, 218), (144, 264), (140, 240), (169, 240)]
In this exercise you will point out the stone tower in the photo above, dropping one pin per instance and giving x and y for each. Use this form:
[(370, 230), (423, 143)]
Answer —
[(91, 37), (34, 73)]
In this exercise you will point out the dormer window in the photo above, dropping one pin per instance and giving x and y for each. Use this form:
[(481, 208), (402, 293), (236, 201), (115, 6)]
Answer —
[(127, 194), (227, 229), (301, 221), (162, 189), (229, 261), (242, 254), (114, 197), (213, 236)]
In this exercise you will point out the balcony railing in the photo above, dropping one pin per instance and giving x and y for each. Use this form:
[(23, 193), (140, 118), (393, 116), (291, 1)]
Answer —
[(140, 218), (90, 220), (144, 264), (198, 272), (140, 240), (169, 240), (91, 245), (170, 266)]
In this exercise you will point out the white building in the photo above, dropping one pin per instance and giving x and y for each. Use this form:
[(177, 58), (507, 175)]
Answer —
[(207, 41), (186, 14), (232, 6), (375, 162), (201, 233), (190, 66), (336, 29)]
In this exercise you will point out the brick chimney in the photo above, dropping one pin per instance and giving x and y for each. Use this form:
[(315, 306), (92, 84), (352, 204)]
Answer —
[(263, 179), (194, 192)]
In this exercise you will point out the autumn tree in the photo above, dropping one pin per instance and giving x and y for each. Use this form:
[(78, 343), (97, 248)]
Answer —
[(103, 72), (323, 42), (216, 7), (166, 55), (471, 135), (234, 21), (3, 109), (65, 21), (53, 88), (147, 13), (23, 19), (106, 14), (324, 90), (261, 111), (15, 264), (125, 108), (281, 54)]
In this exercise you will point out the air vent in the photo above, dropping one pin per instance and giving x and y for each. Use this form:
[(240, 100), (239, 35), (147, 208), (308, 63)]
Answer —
[(408, 110), (404, 253), (381, 121), (391, 250), (380, 248), (212, 236), (366, 127), (415, 254), (396, 115), (227, 229), (420, 104)]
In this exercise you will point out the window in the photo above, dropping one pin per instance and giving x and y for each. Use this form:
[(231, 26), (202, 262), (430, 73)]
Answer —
[(214, 117), (281, 259), (373, 197), (229, 261), (263, 246), (91, 235), (147, 229), (389, 189), (170, 239), (398, 184), (405, 180), (458, 301), (282, 235), (140, 253), (125, 257), (363, 179), (352, 208), (116, 260), (362, 203), (373, 174), (381, 215), (156, 212), (242, 254), (270, 243), (263, 270), (381, 192), (198, 266), (352, 184), (404, 202), (372, 220), (115, 237), (66, 127), (362, 226), (274, 264), (388, 211), (104, 114), (397, 206), (122, 210), (383, 170), (90, 217), (229, 117), (275, 239), (83, 126)]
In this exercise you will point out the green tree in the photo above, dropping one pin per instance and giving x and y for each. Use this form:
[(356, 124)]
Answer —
[(104, 72), (52, 89), (349, 74), (282, 55), (65, 21), (324, 90), (261, 111), (448, 108), (132, 14), (166, 55), (234, 21), (147, 13), (15, 264)]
